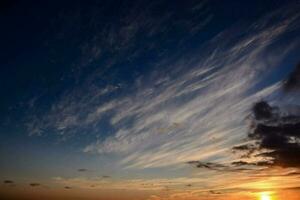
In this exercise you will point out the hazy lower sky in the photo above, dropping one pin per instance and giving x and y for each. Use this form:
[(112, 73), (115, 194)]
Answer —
[(150, 100)]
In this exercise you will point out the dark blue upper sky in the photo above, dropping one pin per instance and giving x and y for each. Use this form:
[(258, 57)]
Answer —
[(42, 42)]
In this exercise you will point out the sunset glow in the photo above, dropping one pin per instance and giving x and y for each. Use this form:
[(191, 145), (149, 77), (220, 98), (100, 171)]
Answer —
[(150, 100), (265, 196)]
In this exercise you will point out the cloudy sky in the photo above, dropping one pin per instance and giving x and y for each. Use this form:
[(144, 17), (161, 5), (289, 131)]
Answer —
[(150, 100)]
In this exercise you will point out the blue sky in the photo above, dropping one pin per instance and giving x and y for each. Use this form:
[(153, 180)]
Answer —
[(135, 90)]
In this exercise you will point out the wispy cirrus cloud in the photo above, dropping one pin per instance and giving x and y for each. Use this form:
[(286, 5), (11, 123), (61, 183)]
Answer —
[(207, 104), (118, 42), (193, 109)]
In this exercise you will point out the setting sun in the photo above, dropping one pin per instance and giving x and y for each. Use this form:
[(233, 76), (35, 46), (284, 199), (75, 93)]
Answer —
[(265, 196)]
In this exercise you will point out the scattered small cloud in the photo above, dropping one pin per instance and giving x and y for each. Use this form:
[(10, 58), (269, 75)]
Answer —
[(8, 182), (82, 170), (207, 165), (258, 163), (214, 192), (34, 184), (217, 166)]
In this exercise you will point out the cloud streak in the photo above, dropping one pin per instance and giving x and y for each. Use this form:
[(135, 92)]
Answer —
[(192, 110), (206, 103)]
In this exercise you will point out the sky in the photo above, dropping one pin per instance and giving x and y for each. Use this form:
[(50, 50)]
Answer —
[(150, 100)]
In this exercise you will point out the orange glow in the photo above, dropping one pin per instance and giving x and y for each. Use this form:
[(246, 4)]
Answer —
[(265, 196)]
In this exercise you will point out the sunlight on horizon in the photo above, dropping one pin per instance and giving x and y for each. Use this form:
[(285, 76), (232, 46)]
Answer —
[(265, 196)]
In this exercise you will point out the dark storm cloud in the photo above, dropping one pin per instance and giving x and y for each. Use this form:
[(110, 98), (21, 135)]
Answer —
[(34, 184), (280, 134), (262, 110), (293, 81), (276, 131), (105, 176)]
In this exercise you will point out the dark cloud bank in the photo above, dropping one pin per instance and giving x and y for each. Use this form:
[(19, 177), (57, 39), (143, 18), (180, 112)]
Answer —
[(275, 132), (293, 81)]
